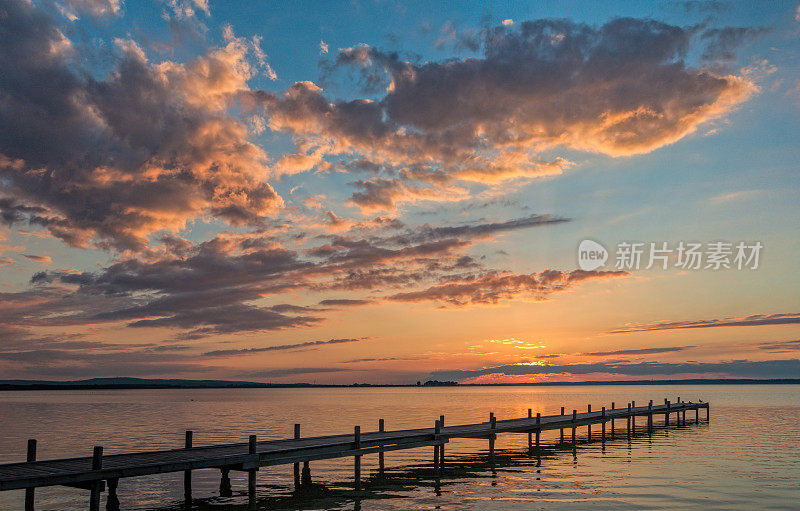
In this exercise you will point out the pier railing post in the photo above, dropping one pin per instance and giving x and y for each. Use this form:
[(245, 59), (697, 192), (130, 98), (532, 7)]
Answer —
[(94, 493), (650, 417), (538, 429), (30, 492), (357, 458), (297, 481), (666, 414), (381, 466), (187, 474), (251, 474), (562, 429)]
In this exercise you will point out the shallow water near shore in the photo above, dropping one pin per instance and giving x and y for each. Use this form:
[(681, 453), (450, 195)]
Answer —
[(745, 457)]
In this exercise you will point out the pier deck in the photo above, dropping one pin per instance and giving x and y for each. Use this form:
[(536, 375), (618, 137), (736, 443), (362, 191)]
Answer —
[(94, 472)]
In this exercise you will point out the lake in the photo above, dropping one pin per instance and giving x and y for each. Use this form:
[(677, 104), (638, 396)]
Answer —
[(745, 457)]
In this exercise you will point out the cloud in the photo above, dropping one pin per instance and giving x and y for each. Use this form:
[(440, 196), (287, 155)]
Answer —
[(482, 230), (38, 258), (94, 8), (343, 302), (640, 351), (144, 148), (494, 287), (754, 320), (622, 88), (282, 347), (780, 346), (737, 368)]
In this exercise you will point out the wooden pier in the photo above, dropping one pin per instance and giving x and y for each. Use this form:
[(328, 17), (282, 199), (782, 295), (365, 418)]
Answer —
[(97, 473)]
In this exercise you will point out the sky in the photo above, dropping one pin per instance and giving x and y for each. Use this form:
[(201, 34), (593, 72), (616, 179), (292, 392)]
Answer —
[(389, 192)]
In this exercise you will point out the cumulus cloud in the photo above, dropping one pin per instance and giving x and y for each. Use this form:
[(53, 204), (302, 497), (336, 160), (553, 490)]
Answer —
[(754, 320), (622, 88), (494, 287), (144, 148)]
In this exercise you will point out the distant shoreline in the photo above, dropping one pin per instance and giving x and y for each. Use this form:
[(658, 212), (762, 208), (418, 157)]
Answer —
[(134, 383)]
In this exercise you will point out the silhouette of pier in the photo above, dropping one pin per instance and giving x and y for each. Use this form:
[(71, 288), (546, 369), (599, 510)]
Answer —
[(99, 472)]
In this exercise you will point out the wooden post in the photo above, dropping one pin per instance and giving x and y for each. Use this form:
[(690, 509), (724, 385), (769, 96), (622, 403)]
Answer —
[(112, 500), (380, 454), (187, 474), (574, 418), (603, 425), (562, 429), (612, 419), (589, 426), (437, 430), (225, 489), (492, 435), (30, 492), (357, 460), (666, 415), (251, 474), (650, 418), (441, 447), (538, 429), (629, 421), (697, 415), (94, 493), (530, 435), (297, 481)]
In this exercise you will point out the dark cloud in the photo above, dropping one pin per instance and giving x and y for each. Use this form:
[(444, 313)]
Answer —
[(343, 302), (114, 159), (781, 346), (494, 287), (738, 368), (428, 233), (639, 351), (621, 88), (282, 347), (754, 320)]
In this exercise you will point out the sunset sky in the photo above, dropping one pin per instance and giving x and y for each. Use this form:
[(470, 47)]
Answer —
[(385, 192)]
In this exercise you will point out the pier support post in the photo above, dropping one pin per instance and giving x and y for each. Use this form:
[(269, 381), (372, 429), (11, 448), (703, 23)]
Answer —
[(94, 493), (305, 478), (441, 447), (574, 418), (492, 436), (251, 474), (613, 405), (697, 415), (381, 465), (30, 492), (357, 458), (589, 426), (225, 489), (629, 421), (530, 435), (538, 429), (650, 417), (603, 425), (437, 429), (562, 429), (112, 500), (187, 474), (297, 465), (666, 415)]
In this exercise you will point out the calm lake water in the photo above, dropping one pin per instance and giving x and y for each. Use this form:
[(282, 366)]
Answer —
[(746, 457)]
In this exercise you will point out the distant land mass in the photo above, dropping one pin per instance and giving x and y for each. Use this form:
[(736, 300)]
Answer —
[(147, 383)]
